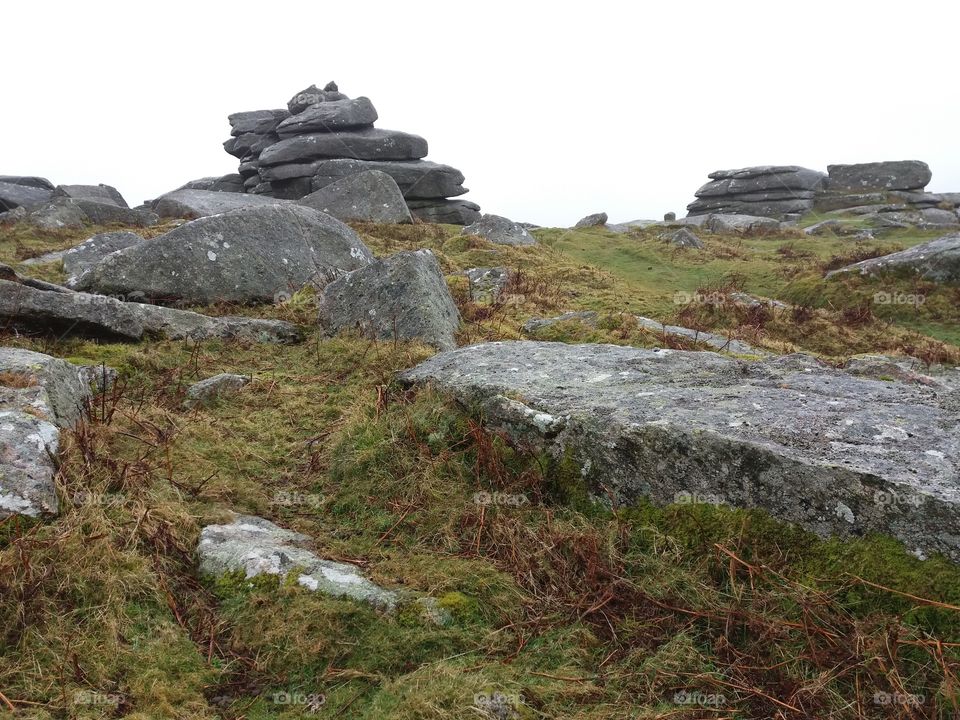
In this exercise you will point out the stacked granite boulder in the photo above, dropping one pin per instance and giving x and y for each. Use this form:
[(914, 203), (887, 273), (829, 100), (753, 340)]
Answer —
[(323, 136), (770, 191)]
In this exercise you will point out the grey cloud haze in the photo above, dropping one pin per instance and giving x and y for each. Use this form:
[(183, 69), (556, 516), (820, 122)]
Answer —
[(552, 110)]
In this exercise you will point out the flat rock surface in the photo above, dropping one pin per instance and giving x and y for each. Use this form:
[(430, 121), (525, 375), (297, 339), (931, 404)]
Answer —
[(835, 453), (191, 204), (500, 231), (369, 144), (937, 260), (255, 546), (370, 196)]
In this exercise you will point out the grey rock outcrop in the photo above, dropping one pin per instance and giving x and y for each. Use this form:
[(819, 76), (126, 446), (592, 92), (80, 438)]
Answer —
[(39, 395), (370, 196), (97, 193), (813, 445), (734, 223), (31, 307), (486, 283), (192, 204), (937, 260), (684, 238), (767, 191), (401, 297), (911, 175), (255, 546), (323, 137), (595, 220), (211, 389), (14, 193), (246, 256), (80, 260), (500, 231), (58, 214)]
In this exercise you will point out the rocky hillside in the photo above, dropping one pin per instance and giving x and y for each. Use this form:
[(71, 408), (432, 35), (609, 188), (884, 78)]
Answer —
[(310, 456)]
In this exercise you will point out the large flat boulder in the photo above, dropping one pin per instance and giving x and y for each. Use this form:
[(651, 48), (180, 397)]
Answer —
[(101, 213), (33, 181), (79, 260), (937, 260), (417, 179), (813, 445), (450, 212), (876, 176), (249, 255), (401, 297), (191, 204), (254, 546), (333, 116), (256, 121), (30, 307), (370, 196), (98, 193), (369, 144), (14, 195)]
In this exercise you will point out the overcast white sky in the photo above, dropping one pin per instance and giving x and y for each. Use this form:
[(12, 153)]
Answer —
[(551, 110)]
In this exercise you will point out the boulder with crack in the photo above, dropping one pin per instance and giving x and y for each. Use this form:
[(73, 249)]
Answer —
[(255, 546), (810, 444)]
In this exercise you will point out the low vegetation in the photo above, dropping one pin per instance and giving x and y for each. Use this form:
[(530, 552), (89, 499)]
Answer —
[(559, 607)]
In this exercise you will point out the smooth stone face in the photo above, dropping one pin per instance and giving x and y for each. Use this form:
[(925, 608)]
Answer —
[(740, 223), (451, 212), (191, 204), (417, 179), (500, 231), (892, 175), (370, 196), (810, 444), (211, 389), (371, 144), (937, 260), (84, 257), (98, 193), (401, 297), (14, 195), (330, 117), (595, 220), (58, 214), (249, 255), (66, 392), (260, 122), (257, 547)]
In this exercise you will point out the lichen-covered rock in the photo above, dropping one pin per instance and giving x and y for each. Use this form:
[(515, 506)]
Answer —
[(811, 444), (79, 260), (257, 547), (595, 220), (684, 238), (247, 256), (733, 223), (370, 196), (937, 260), (58, 214), (212, 388), (500, 230), (401, 297), (889, 175), (191, 204)]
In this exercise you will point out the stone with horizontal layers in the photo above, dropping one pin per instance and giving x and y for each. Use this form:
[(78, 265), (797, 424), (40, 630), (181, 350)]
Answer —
[(417, 179), (261, 122), (810, 444), (250, 255), (402, 297), (369, 144), (331, 116), (211, 389), (370, 196), (14, 195), (450, 212)]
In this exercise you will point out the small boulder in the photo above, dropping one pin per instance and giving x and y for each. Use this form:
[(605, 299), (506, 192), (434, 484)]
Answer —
[(595, 220), (500, 230), (331, 116), (487, 283), (58, 214), (451, 212), (313, 95), (208, 391), (401, 297), (256, 546), (370, 196), (683, 238), (669, 217)]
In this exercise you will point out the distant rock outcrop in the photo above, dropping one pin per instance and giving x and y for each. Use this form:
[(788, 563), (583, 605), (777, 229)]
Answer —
[(768, 191), (323, 136)]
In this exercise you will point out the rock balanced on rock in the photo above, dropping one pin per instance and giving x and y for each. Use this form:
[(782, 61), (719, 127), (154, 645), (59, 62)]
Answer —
[(323, 136)]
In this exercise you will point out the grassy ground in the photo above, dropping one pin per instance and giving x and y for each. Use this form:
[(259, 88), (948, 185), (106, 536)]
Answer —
[(561, 609)]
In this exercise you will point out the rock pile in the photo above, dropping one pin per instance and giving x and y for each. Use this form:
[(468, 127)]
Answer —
[(768, 190), (893, 190), (323, 136)]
